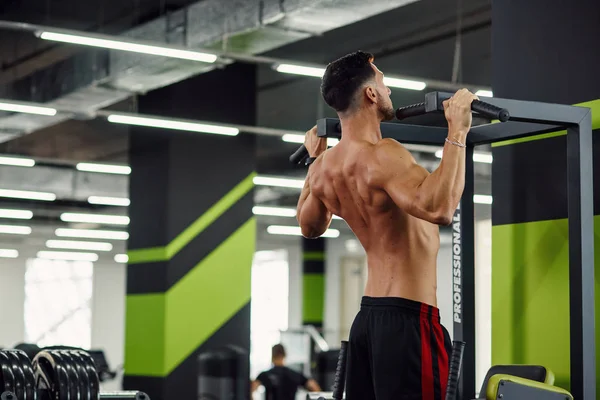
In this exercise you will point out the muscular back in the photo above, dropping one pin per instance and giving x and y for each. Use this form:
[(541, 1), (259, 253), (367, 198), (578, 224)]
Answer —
[(350, 179)]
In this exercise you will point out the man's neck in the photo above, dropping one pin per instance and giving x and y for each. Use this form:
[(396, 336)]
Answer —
[(278, 363), (363, 124)]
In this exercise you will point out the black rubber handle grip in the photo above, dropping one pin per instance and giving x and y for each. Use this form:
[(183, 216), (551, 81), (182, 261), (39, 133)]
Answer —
[(458, 349), (299, 155), (413, 110), (340, 373), (490, 111)]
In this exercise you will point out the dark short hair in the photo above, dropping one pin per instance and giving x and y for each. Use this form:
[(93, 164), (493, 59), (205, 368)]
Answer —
[(343, 77), (278, 351)]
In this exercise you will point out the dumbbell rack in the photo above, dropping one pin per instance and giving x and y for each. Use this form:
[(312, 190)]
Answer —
[(54, 375)]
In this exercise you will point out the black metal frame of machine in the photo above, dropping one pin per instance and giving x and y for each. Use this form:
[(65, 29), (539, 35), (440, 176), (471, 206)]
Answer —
[(518, 119)]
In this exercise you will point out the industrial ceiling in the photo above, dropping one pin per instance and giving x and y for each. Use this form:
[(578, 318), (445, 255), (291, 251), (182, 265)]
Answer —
[(430, 40)]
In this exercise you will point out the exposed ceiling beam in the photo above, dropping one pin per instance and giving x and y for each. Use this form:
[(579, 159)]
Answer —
[(222, 57), (441, 30)]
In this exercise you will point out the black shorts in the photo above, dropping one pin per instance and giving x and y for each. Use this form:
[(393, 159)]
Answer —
[(397, 350)]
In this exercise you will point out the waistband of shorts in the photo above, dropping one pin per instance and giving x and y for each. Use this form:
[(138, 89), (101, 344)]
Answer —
[(411, 306)]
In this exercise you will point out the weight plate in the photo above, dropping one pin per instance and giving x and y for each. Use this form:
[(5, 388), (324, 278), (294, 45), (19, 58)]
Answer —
[(77, 387), (30, 349), (94, 381), (65, 360), (84, 381), (18, 373), (45, 381), (70, 382), (30, 392), (8, 378), (51, 376), (8, 396)]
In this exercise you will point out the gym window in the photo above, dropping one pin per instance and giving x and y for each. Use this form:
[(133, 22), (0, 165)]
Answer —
[(58, 302), (269, 306)]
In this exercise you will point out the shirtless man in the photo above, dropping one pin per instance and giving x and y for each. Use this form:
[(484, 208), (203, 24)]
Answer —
[(398, 348)]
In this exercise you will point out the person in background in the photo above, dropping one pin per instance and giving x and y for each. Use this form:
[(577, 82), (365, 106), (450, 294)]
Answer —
[(281, 382)]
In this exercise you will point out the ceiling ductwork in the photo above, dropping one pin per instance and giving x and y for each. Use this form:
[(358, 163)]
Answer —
[(97, 78), (65, 183)]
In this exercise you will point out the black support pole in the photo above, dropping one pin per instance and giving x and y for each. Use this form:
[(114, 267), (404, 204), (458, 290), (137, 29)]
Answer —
[(581, 260), (463, 284)]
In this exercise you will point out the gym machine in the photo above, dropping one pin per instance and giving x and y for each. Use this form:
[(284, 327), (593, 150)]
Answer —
[(513, 119), (54, 375)]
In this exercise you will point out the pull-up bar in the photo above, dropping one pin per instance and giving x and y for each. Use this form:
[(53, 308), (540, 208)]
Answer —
[(330, 127)]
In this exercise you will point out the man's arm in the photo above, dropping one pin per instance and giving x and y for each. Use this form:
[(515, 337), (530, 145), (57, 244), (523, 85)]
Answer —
[(309, 384), (312, 215), (254, 385), (432, 197), (312, 386)]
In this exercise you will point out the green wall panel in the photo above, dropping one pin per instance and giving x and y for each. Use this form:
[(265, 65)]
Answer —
[(530, 295)]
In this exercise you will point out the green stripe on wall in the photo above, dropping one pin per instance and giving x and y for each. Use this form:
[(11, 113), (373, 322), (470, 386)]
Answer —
[(157, 254), (145, 334), (313, 289), (313, 256), (594, 105), (221, 280), (530, 295)]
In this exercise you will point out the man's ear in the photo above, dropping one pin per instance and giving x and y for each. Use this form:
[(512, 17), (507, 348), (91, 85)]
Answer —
[(371, 94)]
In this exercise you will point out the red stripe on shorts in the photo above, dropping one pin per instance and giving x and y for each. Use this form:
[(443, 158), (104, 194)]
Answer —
[(426, 359), (442, 357)]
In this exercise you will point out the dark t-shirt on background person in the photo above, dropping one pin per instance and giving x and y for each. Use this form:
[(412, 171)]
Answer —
[(281, 383)]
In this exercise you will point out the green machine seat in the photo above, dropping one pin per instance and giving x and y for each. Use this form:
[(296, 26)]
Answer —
[(508, 387), (536, 373)]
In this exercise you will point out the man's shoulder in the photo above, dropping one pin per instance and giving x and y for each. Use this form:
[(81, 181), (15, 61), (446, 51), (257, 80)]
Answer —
[(389, 144), (389, 150), (263, 374)]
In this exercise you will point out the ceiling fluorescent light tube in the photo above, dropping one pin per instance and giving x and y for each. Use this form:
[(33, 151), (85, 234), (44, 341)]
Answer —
[(484, 93), (113, 44), (277, 211), (300, 70), (173, 124), (109, 201), (77, 245), (291, 138), (121, 258), (295, 231), (486, 158), (279, 182), (404, 83), (9, 253), (28, 195), (15, 230), (274, 211), (483, 158), (104, 168), (17, 161), (91, 234), (27, 109), (482, 199), (67, 256), (15, 214), (95, 218), (319, 71)]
